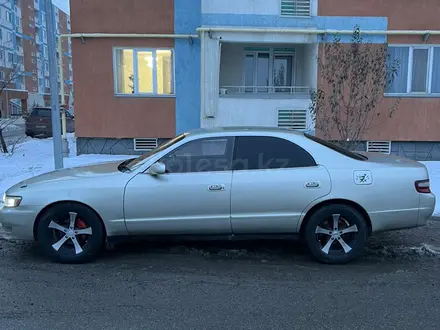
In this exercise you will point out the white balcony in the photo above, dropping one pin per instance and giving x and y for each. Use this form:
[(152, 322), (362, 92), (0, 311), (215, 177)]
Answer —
[(260, 84)]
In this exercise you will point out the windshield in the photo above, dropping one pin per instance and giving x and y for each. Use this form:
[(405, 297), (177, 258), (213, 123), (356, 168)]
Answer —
[(337, 148), (136, 162)]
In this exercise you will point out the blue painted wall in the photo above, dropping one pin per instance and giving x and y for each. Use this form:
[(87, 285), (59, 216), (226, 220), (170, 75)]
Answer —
[(317, 22), (187, 18)]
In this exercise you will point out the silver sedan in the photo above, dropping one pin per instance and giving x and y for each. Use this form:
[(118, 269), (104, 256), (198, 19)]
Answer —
[(232, 182)]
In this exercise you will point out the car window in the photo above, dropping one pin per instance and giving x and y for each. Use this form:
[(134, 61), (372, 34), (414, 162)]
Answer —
[(44, 113), (34, 113), (38, 112), (266, 152), (336, 148), (202, 155)]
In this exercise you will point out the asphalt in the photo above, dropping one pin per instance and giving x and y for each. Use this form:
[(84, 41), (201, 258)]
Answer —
[(226, 285)]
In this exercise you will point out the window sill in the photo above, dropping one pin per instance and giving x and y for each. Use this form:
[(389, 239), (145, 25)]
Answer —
[(145, 95), (406, 95)]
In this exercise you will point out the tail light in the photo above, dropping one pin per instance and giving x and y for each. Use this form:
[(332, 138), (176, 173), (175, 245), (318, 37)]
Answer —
[(422, 186)]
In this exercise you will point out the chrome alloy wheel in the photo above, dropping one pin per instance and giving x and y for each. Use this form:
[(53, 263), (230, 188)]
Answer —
[(336, 235), (75, 233)]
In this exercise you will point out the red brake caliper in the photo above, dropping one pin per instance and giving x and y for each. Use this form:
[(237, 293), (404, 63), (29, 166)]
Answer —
[(81, 225)]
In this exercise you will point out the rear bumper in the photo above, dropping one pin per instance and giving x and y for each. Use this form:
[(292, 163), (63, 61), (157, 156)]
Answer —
[(427, 207)]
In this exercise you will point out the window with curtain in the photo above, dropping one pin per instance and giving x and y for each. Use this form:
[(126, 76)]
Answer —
[(418, 72), (144, 71)]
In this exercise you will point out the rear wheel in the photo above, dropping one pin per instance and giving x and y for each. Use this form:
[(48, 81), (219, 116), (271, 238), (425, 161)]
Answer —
[(336, 234), (70, 233)]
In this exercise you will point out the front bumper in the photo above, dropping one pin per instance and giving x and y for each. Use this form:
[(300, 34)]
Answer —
[(18, 222)]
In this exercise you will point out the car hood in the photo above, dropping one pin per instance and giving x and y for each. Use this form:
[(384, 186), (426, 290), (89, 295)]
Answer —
[(80, 172)]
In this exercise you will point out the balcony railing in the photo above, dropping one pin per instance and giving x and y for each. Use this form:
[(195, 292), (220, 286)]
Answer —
[(256, 91)]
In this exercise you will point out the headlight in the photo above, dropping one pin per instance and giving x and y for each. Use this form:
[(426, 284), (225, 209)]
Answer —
[(11, 201)]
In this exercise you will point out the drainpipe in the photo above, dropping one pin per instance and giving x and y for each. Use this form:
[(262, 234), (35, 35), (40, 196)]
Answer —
[(202, 78), (315, 31)]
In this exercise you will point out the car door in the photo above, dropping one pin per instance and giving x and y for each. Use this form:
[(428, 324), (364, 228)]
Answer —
[(273, 181), (192, 197)]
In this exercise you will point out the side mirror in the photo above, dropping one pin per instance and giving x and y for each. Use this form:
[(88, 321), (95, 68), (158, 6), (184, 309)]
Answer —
[(157, 169)]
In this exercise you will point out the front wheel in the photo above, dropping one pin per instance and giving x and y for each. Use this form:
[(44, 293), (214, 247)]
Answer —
[(336, 234), (70, 233)]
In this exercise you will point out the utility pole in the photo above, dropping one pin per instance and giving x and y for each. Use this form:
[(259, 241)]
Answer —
[(53, 77)]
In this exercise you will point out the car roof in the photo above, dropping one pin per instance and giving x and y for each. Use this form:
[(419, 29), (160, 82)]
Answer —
[(241, 129)]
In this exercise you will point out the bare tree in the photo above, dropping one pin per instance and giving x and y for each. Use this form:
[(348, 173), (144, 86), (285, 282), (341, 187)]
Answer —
[(354, 78), (12, 70)]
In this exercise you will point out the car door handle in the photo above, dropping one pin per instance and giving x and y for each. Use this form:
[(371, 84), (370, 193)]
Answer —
[(216, 187)]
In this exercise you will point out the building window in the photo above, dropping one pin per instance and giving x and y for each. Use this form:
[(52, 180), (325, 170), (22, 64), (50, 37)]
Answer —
[(295, 8), (2, 75), (144, 71), (259, 65), (418, 72), (11, 57), (47, 85), (8, 16), (9, 36)]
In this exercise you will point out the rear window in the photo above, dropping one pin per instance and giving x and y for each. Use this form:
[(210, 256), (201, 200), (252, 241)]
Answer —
[(40, 113), (336, 148)]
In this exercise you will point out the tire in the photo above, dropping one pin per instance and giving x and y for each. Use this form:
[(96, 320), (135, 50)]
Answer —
[(325, 244), (88, 233)]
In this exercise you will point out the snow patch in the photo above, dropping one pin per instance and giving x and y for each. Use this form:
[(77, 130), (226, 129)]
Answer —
[(35, 156)]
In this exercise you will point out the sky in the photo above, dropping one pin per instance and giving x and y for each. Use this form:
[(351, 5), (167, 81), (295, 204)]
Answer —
[(62, 4)]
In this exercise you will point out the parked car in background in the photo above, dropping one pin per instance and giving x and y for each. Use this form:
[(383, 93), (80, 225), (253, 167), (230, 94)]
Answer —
[(231, 182), (39, 122)]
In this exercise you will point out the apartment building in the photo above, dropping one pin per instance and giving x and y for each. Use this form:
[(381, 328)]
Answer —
[(24, 51), (213, 63)]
